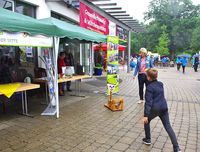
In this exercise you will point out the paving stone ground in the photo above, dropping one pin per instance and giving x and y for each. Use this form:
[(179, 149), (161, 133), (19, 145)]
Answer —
[(85, 125)]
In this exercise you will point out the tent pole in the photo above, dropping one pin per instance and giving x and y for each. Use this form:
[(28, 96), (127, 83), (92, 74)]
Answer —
[(91, 59), (56, 41), (129, 51)]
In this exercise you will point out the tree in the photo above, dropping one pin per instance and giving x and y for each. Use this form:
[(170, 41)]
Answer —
[(164, 41), (196, 38), (179, 16), (137, 41), (149, 39)]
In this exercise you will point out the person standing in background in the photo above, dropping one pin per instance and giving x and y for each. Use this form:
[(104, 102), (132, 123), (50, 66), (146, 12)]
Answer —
[(61, 63), (184, 63), (99, 59), (133, 63), (196, 63), (152, 60), (144, 62), (164, 61), (178, 63), (69, 61)]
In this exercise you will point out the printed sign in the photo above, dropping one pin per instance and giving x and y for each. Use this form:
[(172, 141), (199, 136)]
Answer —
[(91, 20), (112, 63), (112, 28), (47, 59), (23, 39), (29, 52), (121, 33)]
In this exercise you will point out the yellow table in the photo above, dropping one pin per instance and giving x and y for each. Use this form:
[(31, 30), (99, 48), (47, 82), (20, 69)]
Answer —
[(76, 78), (23, 88)]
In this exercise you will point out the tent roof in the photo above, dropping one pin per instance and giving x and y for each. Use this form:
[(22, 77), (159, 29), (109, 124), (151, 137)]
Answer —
[(15, 22), (64, 29)]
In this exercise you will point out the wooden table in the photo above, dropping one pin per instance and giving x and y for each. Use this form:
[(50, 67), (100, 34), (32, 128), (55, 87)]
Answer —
[(61, 80), (76, 78), (23, 88), (73, 78)]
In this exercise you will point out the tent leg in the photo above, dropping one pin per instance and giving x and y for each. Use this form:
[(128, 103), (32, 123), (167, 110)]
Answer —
[(56, 41), (91, 60)]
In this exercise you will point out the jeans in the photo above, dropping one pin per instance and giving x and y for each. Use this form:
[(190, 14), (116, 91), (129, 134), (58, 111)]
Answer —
[(142, 79), (164, 116), (178, 66), (195, 67), (183, 68), (68, 85)]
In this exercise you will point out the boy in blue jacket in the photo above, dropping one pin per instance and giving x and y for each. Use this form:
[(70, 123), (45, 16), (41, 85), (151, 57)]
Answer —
[(156, 105)]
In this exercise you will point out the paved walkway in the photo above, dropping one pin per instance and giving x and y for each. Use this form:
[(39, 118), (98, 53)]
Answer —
[(86, 126)]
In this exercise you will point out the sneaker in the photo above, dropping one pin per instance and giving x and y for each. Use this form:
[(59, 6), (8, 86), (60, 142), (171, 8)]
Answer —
[(69, 90), (146, 141), (177, 150), (61, 94), (140, 101)]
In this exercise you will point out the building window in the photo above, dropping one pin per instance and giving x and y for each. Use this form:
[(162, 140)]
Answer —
[(25, 9), (62, 18), (7, 4)]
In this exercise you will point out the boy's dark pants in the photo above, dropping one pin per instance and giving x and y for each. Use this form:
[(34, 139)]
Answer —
[(164, 116), (142, 79)]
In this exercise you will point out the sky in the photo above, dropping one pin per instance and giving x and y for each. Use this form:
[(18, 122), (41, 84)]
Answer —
[(136, 8)]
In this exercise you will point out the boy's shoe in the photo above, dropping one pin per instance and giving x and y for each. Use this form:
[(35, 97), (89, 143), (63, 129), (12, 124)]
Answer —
[(177, 150), (140, 101), (146, 141)]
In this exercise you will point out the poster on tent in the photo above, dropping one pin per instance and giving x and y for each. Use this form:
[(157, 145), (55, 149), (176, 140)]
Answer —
[(112, 63), (50, 68)]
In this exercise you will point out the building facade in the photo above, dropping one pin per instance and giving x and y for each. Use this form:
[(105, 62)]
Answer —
[(66, 11)]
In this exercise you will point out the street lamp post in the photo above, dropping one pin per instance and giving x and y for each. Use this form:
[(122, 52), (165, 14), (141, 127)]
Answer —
[(129, 51)]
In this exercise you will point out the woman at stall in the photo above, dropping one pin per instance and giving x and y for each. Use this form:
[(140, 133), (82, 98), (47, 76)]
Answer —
[(61, 63), (69, 61)]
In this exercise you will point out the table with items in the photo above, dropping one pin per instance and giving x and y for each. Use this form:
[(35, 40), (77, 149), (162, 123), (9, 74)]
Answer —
[(11, 88), (76, 78)]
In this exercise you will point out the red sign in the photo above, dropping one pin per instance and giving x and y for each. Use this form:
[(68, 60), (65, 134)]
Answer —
[(91, 20)]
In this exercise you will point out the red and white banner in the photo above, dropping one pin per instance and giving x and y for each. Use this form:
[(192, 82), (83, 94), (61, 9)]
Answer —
[(91, 20)]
